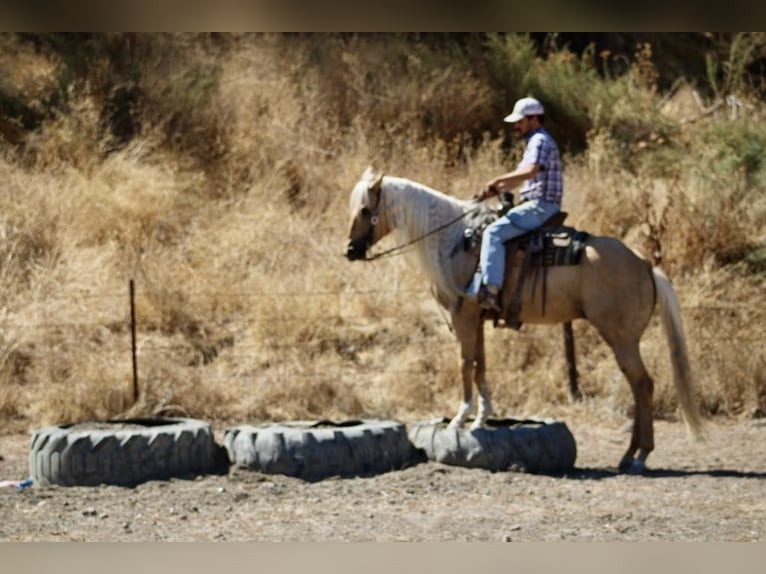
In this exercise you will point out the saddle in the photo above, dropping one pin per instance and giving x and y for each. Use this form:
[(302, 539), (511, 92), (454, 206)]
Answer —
[(551, 244)]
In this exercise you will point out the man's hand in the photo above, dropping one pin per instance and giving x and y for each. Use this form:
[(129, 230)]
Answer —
[(486, 193)]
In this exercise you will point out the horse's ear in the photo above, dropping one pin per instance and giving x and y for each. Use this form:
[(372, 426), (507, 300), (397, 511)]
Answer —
[(375, 184)]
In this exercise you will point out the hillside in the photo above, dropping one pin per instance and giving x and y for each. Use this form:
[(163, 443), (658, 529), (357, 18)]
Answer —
[(214, 170)]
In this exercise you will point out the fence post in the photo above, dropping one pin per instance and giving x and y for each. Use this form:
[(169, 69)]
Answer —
[(133, 338), (574, 389)]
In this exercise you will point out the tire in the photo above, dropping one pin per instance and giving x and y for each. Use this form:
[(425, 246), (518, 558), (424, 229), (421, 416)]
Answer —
[(536, 446), (314, 450), (123, 452)]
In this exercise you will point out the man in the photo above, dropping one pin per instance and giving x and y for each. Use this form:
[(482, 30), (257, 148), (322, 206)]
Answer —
[(540, 198)]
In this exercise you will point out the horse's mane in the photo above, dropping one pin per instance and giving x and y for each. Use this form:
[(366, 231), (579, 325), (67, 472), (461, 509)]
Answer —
[(418, 210)]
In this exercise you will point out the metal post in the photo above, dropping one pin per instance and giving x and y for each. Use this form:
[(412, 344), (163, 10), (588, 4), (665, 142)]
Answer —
[(133, 338), (574, 389)]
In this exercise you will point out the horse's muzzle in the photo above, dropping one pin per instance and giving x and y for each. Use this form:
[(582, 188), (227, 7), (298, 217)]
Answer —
[(356, 250)]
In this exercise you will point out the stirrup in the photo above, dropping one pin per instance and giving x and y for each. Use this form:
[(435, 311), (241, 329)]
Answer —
[(488, 299)]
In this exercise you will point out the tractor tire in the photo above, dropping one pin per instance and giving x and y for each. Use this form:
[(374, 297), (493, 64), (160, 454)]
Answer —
[(314, 450), (123, 452), (530, 445)]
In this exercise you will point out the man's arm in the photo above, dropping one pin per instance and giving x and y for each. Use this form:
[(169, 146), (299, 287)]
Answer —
[(508, 181)]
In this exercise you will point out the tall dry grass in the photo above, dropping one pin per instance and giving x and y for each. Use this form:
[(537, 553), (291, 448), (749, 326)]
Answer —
[(229, 209)]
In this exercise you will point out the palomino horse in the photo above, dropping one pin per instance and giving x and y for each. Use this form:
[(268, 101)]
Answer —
[(611, 287)]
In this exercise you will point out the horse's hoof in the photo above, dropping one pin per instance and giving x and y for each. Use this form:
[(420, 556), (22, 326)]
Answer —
[(632, 466)]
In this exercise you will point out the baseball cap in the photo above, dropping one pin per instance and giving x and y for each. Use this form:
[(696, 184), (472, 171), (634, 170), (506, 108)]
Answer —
[(525, 107)]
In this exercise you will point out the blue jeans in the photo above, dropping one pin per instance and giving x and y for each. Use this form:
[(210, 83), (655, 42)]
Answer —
[(522, 218)]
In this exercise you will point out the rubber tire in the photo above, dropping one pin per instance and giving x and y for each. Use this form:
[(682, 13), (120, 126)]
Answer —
[(73, 455), (314, 450), (530, 445)]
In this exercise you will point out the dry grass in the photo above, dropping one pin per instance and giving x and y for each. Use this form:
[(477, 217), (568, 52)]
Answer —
[(233, 224)]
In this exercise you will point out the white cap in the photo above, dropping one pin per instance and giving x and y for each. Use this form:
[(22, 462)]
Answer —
[(525, 107)]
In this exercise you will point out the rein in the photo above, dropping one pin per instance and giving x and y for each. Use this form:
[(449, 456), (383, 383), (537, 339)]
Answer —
[(396, 250)]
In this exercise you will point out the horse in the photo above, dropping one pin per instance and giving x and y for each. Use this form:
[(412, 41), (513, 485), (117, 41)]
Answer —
[(612, 287)]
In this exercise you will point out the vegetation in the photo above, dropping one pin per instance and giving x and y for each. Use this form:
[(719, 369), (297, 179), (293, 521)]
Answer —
[(215, 170)]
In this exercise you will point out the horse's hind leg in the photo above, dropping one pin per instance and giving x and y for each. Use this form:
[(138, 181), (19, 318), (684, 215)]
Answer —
[(642, 386)]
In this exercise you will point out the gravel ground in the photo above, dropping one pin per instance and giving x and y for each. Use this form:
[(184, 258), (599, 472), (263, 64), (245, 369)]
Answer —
[(711, 491)]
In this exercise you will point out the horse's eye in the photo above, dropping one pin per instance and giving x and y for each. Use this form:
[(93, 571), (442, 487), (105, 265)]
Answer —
[(366, 212)]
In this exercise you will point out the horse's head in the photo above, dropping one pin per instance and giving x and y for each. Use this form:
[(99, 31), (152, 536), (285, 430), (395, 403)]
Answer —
[(367, 226)]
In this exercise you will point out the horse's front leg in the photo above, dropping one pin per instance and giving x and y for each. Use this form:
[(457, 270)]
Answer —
[(466, 365), (469, 332), (479, 374)]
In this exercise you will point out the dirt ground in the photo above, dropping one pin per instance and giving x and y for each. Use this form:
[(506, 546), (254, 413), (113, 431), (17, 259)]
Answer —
[(711, 491)]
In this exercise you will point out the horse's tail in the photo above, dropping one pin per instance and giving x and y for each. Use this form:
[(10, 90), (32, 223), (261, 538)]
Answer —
[(670, 311)]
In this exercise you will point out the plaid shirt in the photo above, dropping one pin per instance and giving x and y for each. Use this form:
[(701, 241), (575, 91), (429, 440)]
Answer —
[(547, 184)]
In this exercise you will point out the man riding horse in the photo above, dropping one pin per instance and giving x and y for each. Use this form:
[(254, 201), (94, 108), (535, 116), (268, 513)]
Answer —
[(540, 172)]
